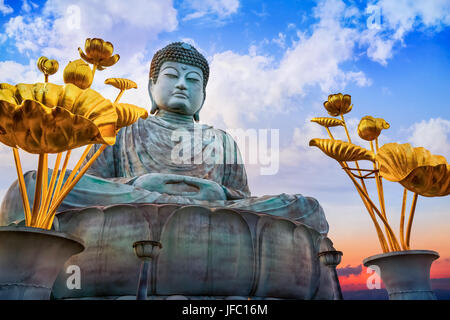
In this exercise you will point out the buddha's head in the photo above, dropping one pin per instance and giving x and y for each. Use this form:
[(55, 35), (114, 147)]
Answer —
[(178, 77)]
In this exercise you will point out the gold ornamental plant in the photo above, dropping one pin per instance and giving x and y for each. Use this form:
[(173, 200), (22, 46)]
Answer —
[(416, 169), (46, 118)]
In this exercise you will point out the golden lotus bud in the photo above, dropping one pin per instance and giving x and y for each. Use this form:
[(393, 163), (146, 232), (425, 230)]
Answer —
[(338, 104), (328, 122), (99, 53), (121, 84), (47, 66), (416, 169), (78, 73), (369, 128), (342, 151)]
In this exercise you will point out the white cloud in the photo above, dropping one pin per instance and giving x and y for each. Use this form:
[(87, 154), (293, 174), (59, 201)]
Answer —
[(4, 8), (392, 20), (220, 8), (433, 135), (242, 87)]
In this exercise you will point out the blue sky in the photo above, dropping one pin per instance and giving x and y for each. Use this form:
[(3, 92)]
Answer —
[(273, 63)]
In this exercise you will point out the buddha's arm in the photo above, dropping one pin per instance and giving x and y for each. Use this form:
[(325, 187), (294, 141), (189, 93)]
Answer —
[(234, 180)]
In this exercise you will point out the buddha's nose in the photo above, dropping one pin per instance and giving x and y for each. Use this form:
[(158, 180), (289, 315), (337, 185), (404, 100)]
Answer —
[(181, 84)]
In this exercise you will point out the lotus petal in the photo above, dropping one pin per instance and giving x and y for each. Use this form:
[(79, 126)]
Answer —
[(121, 83), (7, 110), (85, 57), (341, 150), (108, 62), (129, 114), (415, 168), (7, 92), (46, 93), (328, 122)]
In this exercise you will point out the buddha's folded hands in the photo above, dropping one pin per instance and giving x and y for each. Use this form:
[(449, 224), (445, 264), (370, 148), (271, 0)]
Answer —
[(186, 186)]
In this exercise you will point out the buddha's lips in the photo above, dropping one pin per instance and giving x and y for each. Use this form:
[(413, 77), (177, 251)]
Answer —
[(180, 93)]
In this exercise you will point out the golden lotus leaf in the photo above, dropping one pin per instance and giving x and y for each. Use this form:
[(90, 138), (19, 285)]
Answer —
[(415, 168), (341, 150), (99, 52), (328, 122), (121, 83), (338, 104), (49, 118), (47, 66), (78, 73), (369, 128), (128, 114)]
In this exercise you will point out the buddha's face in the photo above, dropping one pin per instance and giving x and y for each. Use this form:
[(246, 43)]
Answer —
[(179, 88)]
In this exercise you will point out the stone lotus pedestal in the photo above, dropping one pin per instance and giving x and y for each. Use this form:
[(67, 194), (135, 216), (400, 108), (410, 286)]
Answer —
[(208, 254)]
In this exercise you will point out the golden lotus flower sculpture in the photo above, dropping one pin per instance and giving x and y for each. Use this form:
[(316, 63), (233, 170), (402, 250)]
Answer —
[(44, 118), (338, 104), (99, 53), (47, 66), (49, 118), (415, 168), (341, 150), (328, 122), (369, 128), (78, 73)]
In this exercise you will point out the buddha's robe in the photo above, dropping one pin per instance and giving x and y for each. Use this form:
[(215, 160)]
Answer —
[(154, 145)]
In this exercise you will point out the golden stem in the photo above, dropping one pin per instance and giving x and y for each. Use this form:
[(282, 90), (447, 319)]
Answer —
[(72, 184), (37, 190), (119, 96), (410, 220), (350, 140), (94, 68), (389, 230), (402, 219), (77, 166), (45, 177), (46, 78), (62, 174), (22, 186), (44, 208), (376, 143), (380, 234), (381, 238), (380, 194)]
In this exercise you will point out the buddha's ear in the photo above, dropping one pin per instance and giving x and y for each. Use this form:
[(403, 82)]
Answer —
[(196, 115), (154, 107)]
